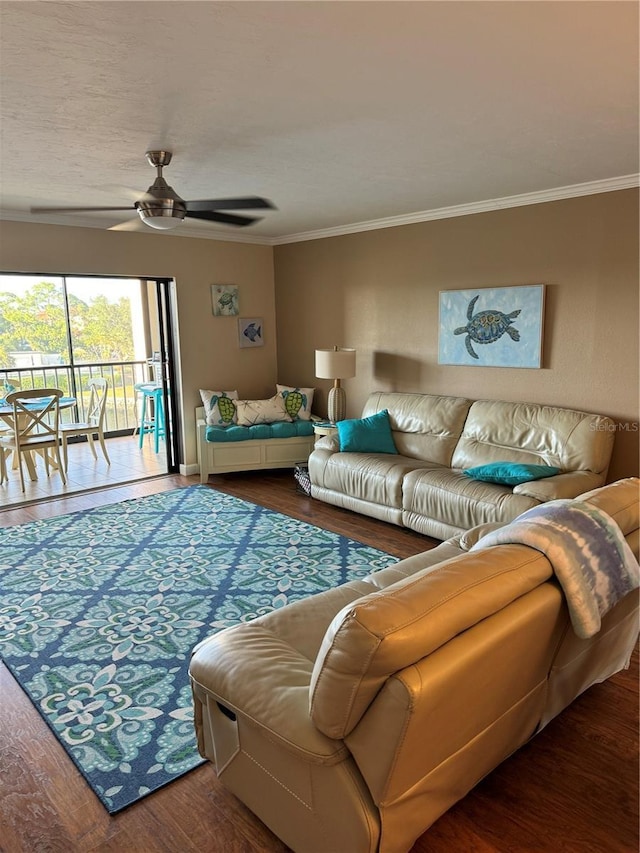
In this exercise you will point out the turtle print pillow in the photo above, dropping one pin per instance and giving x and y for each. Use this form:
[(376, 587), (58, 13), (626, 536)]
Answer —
[(220, 410), (297, 401)]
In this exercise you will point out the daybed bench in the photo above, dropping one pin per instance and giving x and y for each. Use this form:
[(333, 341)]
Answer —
[(248, 448), (351, 720), (422, 485)]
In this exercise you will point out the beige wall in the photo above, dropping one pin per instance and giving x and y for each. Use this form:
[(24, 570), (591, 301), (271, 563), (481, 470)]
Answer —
[(208, 346), (377, 291)]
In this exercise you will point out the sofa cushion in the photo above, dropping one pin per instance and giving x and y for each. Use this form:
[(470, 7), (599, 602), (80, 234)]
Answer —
[(367, 435), (534, 434), (297, 401), (424, 426), (258, 431), (440, 502), (510, 473), (219, 410), (268, 411), (372, 477)]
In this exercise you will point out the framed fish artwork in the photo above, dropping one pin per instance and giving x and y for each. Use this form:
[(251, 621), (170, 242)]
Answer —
[(492, 326), (225, 299), (250, 332)]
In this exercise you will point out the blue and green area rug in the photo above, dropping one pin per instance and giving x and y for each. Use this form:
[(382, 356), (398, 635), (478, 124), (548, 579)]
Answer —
[(100, 609)]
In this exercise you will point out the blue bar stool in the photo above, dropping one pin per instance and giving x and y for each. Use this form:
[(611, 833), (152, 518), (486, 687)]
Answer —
[(152, 413)]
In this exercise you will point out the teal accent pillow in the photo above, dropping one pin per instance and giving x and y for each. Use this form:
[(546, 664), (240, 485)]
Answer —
[(367, 435), (510, 473)]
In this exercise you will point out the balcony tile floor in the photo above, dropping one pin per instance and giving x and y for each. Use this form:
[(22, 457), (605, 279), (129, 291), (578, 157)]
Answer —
[(129, 463)]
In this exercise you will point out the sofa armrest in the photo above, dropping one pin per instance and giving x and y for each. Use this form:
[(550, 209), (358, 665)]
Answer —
[(468, 539), (257, 675), (568, 485), (328, 442)]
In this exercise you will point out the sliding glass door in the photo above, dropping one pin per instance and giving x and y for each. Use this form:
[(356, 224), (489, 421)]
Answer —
[(61, 331)]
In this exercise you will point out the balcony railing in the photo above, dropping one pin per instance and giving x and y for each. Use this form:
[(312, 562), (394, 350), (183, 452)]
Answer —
[(122, 376)]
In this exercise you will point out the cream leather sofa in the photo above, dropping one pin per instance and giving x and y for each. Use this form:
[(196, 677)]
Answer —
[(423, 487), (349, 721)]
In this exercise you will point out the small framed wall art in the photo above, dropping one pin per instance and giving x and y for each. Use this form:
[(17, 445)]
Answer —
[(250, 332), (492, 326), (225, 299)]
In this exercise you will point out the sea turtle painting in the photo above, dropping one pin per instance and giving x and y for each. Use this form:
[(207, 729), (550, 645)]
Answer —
[(486, 327), (225, 301)]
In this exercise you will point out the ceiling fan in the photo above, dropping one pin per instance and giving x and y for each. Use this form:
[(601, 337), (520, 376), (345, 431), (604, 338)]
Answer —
[(162, 208)]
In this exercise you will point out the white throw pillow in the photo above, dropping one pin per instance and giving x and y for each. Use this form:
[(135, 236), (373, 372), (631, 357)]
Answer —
[(219, 407), (269, 411), (297, 401)]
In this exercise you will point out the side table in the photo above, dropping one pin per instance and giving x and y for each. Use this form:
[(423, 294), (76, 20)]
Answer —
[(321, 428)]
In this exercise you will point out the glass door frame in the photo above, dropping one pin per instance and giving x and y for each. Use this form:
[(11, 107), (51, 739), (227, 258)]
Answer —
[(166, 334), (167, 338)]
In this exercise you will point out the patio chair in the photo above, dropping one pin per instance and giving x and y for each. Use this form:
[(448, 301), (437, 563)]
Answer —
[(94, 425), (35, 426)]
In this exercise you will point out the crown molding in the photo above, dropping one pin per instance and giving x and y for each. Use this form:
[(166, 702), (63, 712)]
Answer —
[(539, 197), (624, 182)]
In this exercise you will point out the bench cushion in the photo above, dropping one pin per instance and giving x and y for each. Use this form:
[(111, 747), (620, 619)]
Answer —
[(258, 431)]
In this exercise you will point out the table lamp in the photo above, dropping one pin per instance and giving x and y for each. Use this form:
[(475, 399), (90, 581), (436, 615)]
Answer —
[(337, 363)]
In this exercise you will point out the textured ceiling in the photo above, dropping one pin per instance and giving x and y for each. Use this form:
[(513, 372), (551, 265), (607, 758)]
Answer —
[(340, 112)]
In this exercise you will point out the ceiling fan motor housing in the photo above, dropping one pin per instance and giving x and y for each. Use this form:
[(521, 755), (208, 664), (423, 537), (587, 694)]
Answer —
[(161, 206)]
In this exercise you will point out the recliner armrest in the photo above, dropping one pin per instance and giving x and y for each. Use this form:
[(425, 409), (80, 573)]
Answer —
[(568, 485), (258, 675)]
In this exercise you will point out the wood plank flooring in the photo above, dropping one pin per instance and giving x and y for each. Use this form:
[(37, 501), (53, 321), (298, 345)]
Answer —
[(574, 788)]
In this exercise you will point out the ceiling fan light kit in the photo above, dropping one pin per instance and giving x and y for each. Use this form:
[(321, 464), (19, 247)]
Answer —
[(163, 209), (162, 218)]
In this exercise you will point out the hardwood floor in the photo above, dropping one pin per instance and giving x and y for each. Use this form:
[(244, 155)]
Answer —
[(574, 788)]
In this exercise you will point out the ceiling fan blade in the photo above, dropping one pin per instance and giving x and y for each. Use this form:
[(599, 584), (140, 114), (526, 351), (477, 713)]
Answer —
[(225, 218), (130, 225), (246, 203), (76, 209)]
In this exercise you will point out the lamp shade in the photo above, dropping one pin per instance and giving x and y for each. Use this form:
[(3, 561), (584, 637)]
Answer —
[(338, 363)]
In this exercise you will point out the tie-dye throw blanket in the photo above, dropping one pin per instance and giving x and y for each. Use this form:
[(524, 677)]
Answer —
[(589, 555)]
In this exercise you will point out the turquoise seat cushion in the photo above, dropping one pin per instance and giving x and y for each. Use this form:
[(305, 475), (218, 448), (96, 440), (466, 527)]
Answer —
[(281, 429), (286, 430)]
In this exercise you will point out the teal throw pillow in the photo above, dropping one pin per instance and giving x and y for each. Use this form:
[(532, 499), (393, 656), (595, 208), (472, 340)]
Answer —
[(510, 473), (367, 435)]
